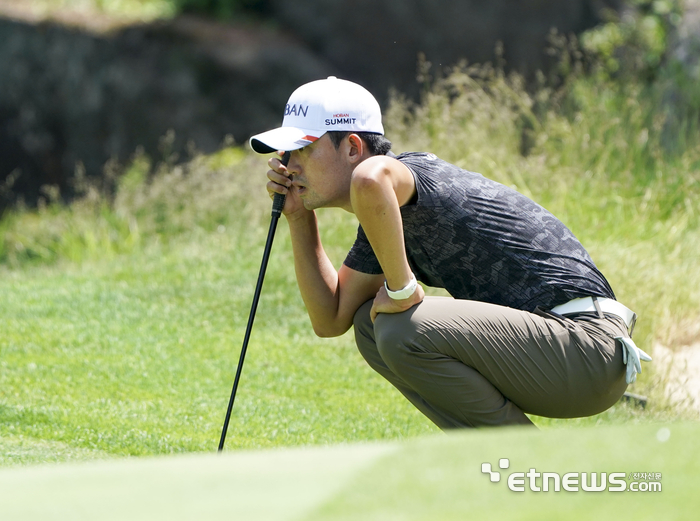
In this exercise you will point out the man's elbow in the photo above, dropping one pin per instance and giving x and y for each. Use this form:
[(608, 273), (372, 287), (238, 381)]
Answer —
[(329, 330)]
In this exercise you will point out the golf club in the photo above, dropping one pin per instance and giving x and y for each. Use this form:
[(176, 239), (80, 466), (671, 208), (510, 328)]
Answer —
[(277, 206)]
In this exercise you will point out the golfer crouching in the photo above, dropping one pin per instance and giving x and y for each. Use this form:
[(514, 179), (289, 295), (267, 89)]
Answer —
[(533, 327)]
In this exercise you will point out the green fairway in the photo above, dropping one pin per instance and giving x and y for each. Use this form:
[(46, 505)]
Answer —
[(435, 477), (136, 356), (139, 359), (25, 451)]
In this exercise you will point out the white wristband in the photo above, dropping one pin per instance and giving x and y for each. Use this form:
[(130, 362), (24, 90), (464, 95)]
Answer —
[(403, 293)]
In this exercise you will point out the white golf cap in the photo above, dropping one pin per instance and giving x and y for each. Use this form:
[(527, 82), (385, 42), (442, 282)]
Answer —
[(319, 107)]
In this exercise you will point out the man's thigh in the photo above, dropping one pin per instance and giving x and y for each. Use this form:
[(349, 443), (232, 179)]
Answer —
[(546, 366)]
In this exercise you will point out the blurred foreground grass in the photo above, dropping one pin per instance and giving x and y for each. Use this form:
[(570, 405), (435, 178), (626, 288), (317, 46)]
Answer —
[(122, 314), (574, 474)]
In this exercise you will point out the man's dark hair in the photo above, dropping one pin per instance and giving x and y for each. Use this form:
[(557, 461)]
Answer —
[(377, 144)]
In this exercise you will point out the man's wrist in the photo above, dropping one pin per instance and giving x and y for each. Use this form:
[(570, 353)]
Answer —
[(301, 215), (405, 292)]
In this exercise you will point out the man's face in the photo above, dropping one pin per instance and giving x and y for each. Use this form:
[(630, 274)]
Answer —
[(321, 178)]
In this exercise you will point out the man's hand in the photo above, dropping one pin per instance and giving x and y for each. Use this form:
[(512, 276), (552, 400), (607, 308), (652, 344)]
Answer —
[(279, 182), (385, 304)]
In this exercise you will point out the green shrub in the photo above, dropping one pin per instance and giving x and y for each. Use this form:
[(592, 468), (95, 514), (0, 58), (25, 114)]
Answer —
[(196, 197)]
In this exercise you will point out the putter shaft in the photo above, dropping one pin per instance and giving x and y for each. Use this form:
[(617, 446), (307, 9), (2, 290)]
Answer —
[(277, 206)]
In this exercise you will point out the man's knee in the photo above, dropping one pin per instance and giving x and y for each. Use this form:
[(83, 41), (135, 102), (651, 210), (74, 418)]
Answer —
[(395, 337), (387, 340)]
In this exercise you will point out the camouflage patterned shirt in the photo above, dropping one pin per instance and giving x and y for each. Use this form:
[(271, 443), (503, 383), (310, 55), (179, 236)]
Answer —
[(481, 240)]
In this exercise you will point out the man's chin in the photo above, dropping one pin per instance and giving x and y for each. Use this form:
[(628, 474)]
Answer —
[(309, 205)]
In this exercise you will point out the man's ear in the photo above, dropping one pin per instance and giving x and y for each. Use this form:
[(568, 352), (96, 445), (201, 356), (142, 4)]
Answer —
[(356, 147)]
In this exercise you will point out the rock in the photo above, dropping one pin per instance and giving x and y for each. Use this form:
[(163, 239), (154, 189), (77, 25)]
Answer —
[(681, 70), (377, 43), (70, 96), (685, 41)]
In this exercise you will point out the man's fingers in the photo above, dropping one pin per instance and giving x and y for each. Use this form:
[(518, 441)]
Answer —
[(276, 188), (279, 182), (279, 178), (276, 164)]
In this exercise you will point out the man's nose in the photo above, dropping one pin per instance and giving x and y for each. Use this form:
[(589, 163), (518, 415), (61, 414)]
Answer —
[(293, 167)]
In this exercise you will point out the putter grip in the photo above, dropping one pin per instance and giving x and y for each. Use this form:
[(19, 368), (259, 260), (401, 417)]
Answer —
[(278, 199)]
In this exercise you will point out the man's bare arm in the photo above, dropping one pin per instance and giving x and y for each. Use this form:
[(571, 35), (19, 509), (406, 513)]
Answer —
[(331, 297), (380, 186)]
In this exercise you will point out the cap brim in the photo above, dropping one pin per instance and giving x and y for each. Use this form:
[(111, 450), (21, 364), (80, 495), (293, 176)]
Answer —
[(283, 138)]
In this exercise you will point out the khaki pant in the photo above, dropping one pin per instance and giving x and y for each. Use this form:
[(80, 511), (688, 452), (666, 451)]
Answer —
[(469, 364)]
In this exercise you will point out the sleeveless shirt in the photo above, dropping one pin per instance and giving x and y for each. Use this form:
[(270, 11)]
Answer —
[(481, 240)]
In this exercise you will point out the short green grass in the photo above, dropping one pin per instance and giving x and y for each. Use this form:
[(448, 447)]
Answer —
[(139, 358), (15, 451)]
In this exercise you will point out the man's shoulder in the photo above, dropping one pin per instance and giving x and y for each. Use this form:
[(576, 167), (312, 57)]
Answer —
[(428, 163), (417, 156)]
